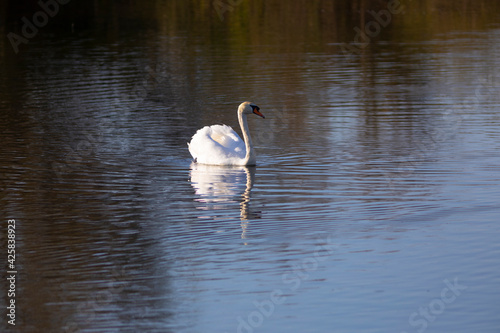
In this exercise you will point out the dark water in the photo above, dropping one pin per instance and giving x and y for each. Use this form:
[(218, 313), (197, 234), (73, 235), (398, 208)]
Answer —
[(373, 208)]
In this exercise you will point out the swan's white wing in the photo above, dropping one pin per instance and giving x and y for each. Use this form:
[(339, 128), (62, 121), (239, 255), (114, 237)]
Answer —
[(217, 144)]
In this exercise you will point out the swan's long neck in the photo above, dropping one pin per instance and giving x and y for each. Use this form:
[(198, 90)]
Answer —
[(250, 157)]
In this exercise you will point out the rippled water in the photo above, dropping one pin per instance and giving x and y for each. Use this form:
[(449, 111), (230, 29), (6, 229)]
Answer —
[(373, 207)]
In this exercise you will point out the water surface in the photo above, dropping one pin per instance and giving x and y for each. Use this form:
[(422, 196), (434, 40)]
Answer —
[(373, 207)]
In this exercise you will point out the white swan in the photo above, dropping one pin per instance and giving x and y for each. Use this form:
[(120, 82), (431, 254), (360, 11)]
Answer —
[(220, 145)]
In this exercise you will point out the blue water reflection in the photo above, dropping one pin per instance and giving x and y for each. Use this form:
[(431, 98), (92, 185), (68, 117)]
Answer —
[(376, 186)]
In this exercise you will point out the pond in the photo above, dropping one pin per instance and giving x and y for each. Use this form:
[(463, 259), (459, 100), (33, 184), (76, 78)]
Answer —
[(372, 208)]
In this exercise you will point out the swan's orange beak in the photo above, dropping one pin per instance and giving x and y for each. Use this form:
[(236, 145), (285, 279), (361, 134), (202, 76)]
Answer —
[(257, 112)]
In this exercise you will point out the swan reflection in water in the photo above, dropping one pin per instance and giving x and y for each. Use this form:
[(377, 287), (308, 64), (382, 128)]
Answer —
[(220, 187)]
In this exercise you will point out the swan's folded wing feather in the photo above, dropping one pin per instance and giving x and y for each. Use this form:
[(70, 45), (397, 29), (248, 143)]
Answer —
[(216, 144), (226, 137)]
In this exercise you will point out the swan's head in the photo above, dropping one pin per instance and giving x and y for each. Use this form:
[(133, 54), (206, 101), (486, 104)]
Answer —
[(249, 108)]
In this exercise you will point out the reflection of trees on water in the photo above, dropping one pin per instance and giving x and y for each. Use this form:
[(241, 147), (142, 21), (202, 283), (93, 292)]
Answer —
[(264, 22)]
